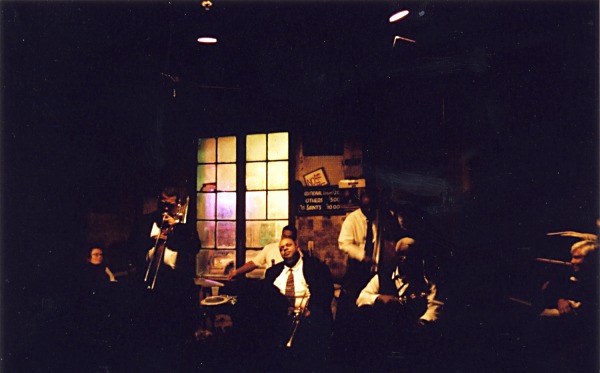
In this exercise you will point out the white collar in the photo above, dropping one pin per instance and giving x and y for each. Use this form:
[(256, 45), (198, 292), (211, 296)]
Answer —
[(296, 266)]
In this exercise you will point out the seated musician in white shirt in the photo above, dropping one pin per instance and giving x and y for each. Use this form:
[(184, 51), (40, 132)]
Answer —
[(401, 286), (398, 308), (300, 286)]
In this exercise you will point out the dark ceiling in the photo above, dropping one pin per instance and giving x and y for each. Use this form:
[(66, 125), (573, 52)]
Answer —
[(301, 52), (84, 82)]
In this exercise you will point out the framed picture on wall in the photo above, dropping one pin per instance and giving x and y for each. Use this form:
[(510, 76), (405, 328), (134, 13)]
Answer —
[(316, 178)]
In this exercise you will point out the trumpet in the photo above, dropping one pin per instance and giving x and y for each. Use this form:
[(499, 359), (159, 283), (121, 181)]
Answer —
[(298, 316)]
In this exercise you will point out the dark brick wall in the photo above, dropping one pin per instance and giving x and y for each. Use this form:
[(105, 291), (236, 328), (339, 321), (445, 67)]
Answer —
[(324, 232)]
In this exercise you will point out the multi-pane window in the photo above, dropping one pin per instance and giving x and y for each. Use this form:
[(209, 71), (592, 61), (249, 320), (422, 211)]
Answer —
[(265, 169), (266, 187)]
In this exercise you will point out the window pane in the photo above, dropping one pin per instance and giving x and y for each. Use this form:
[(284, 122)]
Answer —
[(256, 148), (260, 233), (278, 175), (205, 203), (226, 206), (256, 203), (226, 177), (206, 233), (220, 262), (256, 176), (206, 151), (226, 234), (226, 149), (206, 177), (278, 205), (278, 146)]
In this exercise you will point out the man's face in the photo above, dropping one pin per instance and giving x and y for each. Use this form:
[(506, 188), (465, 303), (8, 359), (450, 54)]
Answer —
[(96, 256), (167, 203), (577, 260), (288, 250), (365, 204)]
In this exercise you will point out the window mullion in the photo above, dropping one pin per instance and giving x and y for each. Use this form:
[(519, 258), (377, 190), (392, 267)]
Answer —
[(240, 234)]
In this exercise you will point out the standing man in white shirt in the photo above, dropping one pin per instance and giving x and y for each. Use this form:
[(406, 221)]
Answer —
[(358, 238)]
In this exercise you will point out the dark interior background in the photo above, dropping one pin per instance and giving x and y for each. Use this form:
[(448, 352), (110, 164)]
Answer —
[(507, 90)]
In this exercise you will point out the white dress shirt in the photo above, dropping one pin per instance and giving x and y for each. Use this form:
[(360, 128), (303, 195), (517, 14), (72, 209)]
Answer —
[(370, 293), (353, 234), (268, 256), (300, 285), (170, 257)]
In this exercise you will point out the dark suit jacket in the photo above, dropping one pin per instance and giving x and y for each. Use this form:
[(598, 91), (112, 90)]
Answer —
[(318, 278), (183, 239)]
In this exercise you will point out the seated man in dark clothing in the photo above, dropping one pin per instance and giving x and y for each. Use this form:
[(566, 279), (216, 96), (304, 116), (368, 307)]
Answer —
[(574, 296), (96, 309), (299, 289), (96, 274), (565, 334)]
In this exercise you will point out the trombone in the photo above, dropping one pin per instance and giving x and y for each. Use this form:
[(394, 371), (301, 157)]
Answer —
[(161, 241), (298, 316)]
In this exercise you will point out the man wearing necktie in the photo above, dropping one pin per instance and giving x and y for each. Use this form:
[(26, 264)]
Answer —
[(357, 239), (300, 284)]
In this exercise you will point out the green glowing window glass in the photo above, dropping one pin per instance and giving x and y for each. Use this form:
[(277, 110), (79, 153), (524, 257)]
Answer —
[(264, 173)]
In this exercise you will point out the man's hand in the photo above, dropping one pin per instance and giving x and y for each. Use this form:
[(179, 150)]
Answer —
[(293, 312), (387, 299), (232, 274), (170, 220), (564, 307)]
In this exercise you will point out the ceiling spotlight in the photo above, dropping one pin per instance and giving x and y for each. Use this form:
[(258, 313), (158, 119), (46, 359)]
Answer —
[(207, 4), (207, 40), (399, 15)]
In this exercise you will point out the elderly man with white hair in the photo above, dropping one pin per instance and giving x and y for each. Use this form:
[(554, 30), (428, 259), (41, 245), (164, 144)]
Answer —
[(564, 336), (577, 294)]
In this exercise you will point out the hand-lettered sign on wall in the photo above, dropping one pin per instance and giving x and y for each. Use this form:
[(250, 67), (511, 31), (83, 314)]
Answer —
[(323, 200), (316, 178)]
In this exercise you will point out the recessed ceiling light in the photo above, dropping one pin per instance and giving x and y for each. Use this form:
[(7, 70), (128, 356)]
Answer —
[(398, 16), (207, 40)]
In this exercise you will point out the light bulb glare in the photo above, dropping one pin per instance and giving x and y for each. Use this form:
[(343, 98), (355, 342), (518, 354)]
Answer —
[(398, 16), (207, 40)]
